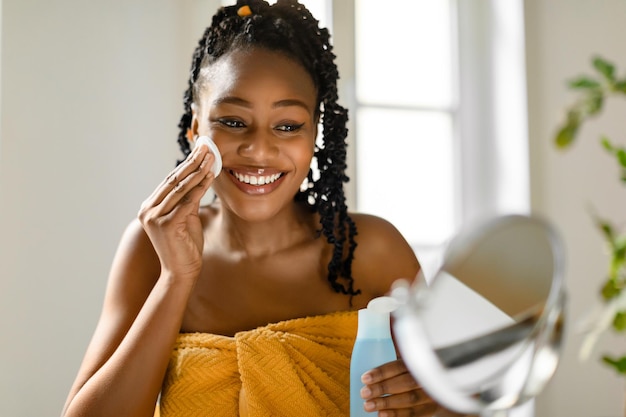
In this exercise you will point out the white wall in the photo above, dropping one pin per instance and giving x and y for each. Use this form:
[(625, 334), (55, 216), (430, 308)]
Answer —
[(562, 36), (91, 96)]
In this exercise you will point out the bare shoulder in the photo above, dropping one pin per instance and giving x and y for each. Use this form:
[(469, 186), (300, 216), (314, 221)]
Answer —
[(382, 256)]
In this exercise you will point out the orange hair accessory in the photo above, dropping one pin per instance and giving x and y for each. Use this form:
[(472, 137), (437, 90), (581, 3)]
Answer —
[(244, 11)]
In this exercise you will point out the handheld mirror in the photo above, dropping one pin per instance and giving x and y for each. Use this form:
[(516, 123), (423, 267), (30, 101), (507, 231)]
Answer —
[(485, 334)]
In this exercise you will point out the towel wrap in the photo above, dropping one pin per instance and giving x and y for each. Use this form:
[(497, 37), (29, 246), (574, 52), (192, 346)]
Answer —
[(298, 367)]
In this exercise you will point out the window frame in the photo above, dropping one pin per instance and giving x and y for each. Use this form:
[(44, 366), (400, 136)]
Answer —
[(489, 116)]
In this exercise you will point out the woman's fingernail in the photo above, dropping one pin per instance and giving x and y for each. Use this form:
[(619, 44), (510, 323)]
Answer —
[(366, 378), (369, 406), (366, 392)]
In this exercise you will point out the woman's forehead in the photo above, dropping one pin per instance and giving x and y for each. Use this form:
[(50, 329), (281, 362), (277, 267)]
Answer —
[(247, 72)]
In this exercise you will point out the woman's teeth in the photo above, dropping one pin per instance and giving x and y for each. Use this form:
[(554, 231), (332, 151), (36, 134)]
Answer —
[(257, 179)]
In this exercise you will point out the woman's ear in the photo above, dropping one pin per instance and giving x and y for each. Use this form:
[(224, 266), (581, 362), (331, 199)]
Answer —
[(192, 132)]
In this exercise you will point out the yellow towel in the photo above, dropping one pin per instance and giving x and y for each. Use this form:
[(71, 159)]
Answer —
[(298, 367)]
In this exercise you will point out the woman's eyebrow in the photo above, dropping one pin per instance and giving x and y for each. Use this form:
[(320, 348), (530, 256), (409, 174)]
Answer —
[(291, 102), (238, 101)]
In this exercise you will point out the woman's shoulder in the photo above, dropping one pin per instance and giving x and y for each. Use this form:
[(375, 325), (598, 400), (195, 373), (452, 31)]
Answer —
[(378, 234), (135, 258), (370, 221), (135, 239), (382, 255)]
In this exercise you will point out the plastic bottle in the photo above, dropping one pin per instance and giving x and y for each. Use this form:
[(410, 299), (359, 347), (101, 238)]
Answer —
[(373, 347)]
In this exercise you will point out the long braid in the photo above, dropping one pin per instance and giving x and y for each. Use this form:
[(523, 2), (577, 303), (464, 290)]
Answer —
[(289, 28)]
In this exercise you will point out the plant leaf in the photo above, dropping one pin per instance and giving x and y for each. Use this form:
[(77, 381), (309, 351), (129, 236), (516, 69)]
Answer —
[(594, 103), (610, 289), (584, 83), (620, 86), (618, 364), (606, 228), (618, 152), (619, 243), (606, 144), (566, 135), (619, 321), (605, 68), (621, 156), (619, 253)]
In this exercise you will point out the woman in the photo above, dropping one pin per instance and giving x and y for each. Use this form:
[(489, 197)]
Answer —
[(248, 305)]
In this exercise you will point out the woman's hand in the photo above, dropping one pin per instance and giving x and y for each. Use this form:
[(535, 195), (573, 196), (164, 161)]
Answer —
[(392, 391), (170, 215)]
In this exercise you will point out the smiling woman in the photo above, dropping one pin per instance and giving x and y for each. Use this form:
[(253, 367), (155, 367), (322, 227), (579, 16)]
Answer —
[(274, 267)]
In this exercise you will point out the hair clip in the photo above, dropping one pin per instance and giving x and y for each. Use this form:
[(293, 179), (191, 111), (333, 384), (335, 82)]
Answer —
[(244, 11)]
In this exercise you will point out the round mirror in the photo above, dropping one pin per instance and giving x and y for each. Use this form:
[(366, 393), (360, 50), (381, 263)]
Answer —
[(484, 335)]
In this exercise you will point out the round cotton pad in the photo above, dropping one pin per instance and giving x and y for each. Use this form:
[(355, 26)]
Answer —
[(217, 165)]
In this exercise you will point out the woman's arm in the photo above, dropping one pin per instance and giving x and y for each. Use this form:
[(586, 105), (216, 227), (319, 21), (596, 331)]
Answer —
[(153, 272)]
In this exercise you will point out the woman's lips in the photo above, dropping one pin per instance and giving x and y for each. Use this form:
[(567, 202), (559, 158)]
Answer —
[(256, 183)]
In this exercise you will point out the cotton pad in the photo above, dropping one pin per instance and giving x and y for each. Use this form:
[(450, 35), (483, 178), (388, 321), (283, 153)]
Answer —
[(217, 165)]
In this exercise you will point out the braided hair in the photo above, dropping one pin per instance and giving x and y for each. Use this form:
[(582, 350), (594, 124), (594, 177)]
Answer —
[(289, 28)]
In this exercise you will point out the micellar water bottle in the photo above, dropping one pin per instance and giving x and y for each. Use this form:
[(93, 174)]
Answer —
[(373, 347)]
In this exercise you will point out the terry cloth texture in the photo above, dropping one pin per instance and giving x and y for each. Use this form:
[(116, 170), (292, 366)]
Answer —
[(298, 367)]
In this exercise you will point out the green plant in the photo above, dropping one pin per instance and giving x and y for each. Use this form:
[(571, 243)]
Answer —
[(593, 94)]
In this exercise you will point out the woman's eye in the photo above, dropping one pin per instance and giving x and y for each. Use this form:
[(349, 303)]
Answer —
[(237, 124), (289, 127)]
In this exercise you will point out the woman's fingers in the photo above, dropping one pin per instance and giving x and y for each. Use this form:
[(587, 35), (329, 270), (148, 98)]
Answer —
[(171, 179), (406, 403), (392, 390), (421, 410), (187, 189), (409, 399), (384, 372), (395, 385), (175, 188)]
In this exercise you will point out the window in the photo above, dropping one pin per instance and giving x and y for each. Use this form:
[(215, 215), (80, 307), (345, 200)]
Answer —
[(406, 106), (440, 99)]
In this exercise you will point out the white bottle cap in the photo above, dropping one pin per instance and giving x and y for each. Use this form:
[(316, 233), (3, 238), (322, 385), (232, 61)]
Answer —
[(383, 304), (374, 320), (217, 165)]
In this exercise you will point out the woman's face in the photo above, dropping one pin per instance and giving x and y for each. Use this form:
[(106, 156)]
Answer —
[(260, 109)]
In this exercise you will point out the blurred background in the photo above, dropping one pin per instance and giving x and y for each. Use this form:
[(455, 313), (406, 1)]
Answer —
[(453, 104)]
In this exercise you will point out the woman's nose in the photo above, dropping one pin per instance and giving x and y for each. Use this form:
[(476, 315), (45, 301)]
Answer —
[(259, 146)]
